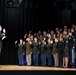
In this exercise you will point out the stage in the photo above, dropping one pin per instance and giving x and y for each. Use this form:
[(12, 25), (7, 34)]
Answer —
[(16, 67)]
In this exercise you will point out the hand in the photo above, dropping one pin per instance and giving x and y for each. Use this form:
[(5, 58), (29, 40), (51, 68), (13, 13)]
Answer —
[(30, 42), (45, 43), (4, 37), (39, 43), (23, 43), (4, 30), (15, 41), (51, 42)]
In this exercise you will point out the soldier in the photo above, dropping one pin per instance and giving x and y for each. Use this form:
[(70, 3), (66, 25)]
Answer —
[(35, 51), (52, 34), (49, 52), (43, 51), (55, 52), (28, 47), (71, 47), (60, 48), (21, 51)]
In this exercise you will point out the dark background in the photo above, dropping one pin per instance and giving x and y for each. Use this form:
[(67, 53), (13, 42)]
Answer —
[(32, 15)]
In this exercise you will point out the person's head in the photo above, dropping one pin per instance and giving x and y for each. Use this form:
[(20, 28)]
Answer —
[(0, 28), (52, 32), (31, 37), (68, 30), (73, 26), (44, 32), (39, 32), (40, 36), (65, 32), (43, 41), (72, 30), (60, 39), (48, 35), (64, 36), (35, 39), (57, 29), (65, 27), (35, 35), (21, 41), (30, 32)]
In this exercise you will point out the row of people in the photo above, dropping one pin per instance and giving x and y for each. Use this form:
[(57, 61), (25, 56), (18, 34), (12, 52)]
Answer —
[(60, 44)]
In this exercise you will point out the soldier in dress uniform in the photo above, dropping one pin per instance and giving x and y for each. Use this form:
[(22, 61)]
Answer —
[(43, 53), (35, 51), (71, 48), (49, 52), (21, 51)]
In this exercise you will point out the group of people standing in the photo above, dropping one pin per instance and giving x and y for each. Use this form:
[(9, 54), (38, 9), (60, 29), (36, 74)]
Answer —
[(59, 43)]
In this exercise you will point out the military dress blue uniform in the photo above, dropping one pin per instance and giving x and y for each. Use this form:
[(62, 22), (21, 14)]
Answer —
[(35, 53), (71, 49), (20, 52)]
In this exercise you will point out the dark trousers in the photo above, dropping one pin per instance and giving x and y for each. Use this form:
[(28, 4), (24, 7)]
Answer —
[(60, 59), (43, 59), (49, 58), (71, 55), (20, 58), (35, 59)]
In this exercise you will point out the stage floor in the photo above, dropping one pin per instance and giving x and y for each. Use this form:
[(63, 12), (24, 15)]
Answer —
[(16, 67)]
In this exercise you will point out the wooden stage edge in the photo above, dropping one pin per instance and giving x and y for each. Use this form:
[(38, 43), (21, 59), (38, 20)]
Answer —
[(16, 67)]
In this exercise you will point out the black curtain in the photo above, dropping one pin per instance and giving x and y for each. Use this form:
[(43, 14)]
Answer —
[(20, 20)]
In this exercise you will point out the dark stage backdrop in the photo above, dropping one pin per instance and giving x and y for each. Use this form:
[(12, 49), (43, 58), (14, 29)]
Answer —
[(18, 20)]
